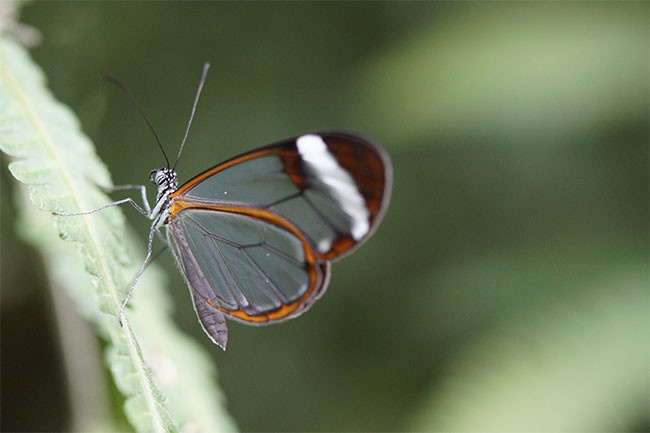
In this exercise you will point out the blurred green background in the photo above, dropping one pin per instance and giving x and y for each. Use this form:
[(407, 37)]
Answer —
[(507, 288)]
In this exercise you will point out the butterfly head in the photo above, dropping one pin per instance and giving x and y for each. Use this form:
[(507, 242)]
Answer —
[(166, 180), (163, 177)]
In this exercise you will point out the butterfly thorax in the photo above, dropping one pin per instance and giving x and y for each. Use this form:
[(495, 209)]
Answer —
[(167, 182)]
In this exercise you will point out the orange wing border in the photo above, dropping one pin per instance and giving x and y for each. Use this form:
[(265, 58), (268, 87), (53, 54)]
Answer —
[(317, 269)]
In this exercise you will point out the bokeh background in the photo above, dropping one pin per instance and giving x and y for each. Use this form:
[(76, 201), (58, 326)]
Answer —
[(507, 288)]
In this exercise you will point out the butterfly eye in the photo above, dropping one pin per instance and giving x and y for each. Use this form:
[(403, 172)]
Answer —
[(152, 176)]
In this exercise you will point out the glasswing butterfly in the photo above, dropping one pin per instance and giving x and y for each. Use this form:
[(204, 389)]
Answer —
[(254, 237)]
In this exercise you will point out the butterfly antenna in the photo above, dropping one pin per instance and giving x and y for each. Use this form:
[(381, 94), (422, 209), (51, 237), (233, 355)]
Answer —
[(206, 66), (126, 90)]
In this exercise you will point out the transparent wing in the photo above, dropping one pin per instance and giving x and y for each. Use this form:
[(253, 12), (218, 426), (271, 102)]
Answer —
[(334, 187), (212, 319), (254, 268)]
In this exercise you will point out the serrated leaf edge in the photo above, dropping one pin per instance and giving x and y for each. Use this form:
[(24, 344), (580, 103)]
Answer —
[(134, 351)]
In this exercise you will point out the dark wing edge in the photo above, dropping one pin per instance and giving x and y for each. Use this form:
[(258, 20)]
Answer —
[(368, 163), (211, 318), (381, 200)]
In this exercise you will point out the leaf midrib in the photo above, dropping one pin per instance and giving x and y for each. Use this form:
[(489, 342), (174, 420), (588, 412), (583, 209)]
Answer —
[(14, 87)]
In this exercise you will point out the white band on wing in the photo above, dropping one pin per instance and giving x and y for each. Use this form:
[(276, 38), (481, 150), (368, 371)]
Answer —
[(321, 164)]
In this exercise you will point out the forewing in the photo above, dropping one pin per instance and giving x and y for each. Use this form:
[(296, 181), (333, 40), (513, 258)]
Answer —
[(254, 268), (334, 187)]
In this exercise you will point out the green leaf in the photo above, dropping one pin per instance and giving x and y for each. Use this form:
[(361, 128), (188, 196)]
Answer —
[(61, 169)]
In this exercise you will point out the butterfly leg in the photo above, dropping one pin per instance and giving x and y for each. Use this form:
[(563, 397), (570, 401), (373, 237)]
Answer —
[(162, 238), (157, 254), (139, 274), (115, 203), (142, 188)]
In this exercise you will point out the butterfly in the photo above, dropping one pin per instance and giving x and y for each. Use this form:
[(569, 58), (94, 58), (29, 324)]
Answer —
[(255, 236)]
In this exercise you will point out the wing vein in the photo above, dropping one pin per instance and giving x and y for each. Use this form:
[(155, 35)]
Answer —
[(230, 289), (324, 217), (206, 232), (232, 274), (210, 236), (282, 200), (266, 279), (280, 253)]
